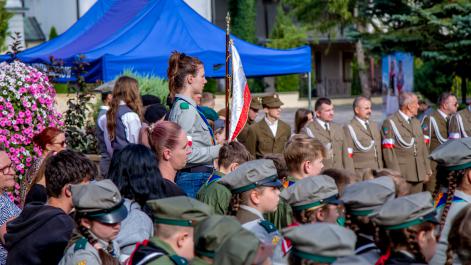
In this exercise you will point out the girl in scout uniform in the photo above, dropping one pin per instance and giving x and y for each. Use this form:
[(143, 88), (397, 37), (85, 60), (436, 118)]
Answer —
[(458, 238), (406, 231), (99, 212), (186, 81), (453, 190)]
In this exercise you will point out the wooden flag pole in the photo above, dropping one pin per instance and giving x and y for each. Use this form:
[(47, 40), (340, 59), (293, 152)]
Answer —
[(228, 77)]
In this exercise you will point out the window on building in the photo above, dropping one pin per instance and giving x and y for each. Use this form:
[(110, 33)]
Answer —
[(347, 59)]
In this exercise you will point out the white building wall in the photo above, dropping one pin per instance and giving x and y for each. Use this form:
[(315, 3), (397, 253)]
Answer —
[(15, 24)]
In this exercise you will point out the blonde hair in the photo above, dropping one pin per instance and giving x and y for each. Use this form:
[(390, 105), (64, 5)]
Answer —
[(300, 148)]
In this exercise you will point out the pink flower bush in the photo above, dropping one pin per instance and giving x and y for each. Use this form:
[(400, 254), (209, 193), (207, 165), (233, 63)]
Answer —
[(26, 108)]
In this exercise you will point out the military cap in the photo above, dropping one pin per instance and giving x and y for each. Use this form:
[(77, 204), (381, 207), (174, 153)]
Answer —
[(406, 211), (272, 101), (240, 249), (212, 232), (366, 197), (252, 174), (100, 201), (311, 192), (179, 211), (255, 103), (321, 242), (453, 155), (351, 260)]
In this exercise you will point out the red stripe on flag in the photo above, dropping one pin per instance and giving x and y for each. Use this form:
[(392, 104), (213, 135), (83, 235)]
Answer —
[(245, 112)]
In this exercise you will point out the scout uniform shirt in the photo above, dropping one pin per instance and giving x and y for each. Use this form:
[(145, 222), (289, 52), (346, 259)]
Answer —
[(364, 138), (261, 140), (215, 194), (404, 147), (460, 124), (333, 139), (186, 114), (83, 253)]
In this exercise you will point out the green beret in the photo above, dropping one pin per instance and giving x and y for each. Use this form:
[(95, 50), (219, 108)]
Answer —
[(454, 154), (239, 249), (179, 211), (252, 174), (209, 113), (321, 242), (366, 197), (212, 232), (311, 192), (406, 211), (272, 101)]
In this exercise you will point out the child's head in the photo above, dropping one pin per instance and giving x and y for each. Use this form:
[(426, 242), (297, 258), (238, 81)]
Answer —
[(303, 155), (255, 184), (459, 237), (231, 156), (342, 177), (280, 164)]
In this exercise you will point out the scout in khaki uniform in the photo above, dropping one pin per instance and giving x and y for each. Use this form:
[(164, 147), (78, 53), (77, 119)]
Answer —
[(435, 129), (364, 137), (460, 124), (255, 189), (210, 234), (173, 242), (99, 202), (330, 135), (270, 134), (361, 200), (455, 158), (255, 107), (403, 143), (321, 243), (407, 226)]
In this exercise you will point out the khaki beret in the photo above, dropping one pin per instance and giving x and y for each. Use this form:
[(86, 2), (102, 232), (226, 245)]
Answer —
[(272, 101), (240, 249), (454, 154)]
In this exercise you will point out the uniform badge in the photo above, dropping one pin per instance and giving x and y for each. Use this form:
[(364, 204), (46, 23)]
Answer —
[(385, 130), (425, 127), (275, 240), (82, 262)]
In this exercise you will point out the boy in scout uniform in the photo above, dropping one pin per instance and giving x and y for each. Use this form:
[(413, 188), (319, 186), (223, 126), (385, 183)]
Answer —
[(331, 135), (435, 129), (364, 137), (255, 107), (270, 134), (95, 202), (210, 234), (403, 143), (460, 124), (173, 242)]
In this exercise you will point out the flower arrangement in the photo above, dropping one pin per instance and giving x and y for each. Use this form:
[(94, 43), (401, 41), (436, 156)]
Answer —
[(26, 108)]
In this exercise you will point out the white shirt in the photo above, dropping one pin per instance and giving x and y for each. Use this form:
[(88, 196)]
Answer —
[(272, 125), (362, 122), (407, 118), (323, 123)]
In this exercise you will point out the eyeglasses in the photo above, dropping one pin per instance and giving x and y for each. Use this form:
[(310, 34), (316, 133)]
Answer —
[(5, 169), (60, 143)]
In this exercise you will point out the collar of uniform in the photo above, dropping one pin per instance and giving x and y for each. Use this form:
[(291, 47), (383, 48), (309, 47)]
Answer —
[(322, 123), (444, 116), (269, 122), (462, 195), (252, 210), (361, 121), (404, 116), (164, 245), (104, 107), (189, 99), (104, 244)]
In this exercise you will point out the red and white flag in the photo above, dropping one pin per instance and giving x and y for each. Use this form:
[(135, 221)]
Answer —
[(240, 96)]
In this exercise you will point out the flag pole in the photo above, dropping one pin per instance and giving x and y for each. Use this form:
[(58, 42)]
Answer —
[(228, 77)]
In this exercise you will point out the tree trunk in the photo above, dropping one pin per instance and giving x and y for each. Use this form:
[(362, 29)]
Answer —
[(362, 71)]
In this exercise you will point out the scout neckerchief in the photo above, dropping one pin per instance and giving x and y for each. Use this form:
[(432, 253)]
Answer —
[(289, 181), (198, 109), (216, 176), (441, 199)]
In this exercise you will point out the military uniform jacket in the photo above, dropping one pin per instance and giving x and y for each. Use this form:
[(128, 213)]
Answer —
[(198, 261), (460, 124), (242, 137), (82, 252), (435, 130), (215, 195), (404, 148), (334, 143), (260, 140), (184, 112), (366, 145)]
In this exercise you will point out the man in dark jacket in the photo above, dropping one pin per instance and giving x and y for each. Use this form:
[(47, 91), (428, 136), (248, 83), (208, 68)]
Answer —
[(40, 233)]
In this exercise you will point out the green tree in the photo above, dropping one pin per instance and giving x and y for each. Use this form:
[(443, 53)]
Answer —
[(243, 19), (4, 18), (53, 33)]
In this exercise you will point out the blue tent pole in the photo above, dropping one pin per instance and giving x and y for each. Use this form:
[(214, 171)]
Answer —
[(309, 91)]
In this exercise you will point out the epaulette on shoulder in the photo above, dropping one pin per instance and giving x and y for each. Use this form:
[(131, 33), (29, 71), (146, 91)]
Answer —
[(268, 226), (178, 260), (184, 105), (80, 244)]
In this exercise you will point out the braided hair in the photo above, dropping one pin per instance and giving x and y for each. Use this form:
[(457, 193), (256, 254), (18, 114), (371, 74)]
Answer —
[(453, 179), (105, 255)]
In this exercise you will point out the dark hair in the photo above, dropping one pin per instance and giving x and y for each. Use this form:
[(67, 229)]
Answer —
[(135, 172), (154, 113), (342, 177), (357, 100), (148, 100), (321, 101), (300, 119), (180, 66), (104, 95), (444, 97), (233, 152), (67, 167), (280, 165), (459, 237), (46, 137)]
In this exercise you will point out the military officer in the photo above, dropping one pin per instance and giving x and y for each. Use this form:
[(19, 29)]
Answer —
[(173, 243), (403, 143), (364, 137), (255, 106), (270, 134), (435, 129), (460, 124), (331, 135)]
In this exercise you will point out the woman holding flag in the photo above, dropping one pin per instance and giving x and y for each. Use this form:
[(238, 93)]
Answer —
[(186, 81)]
